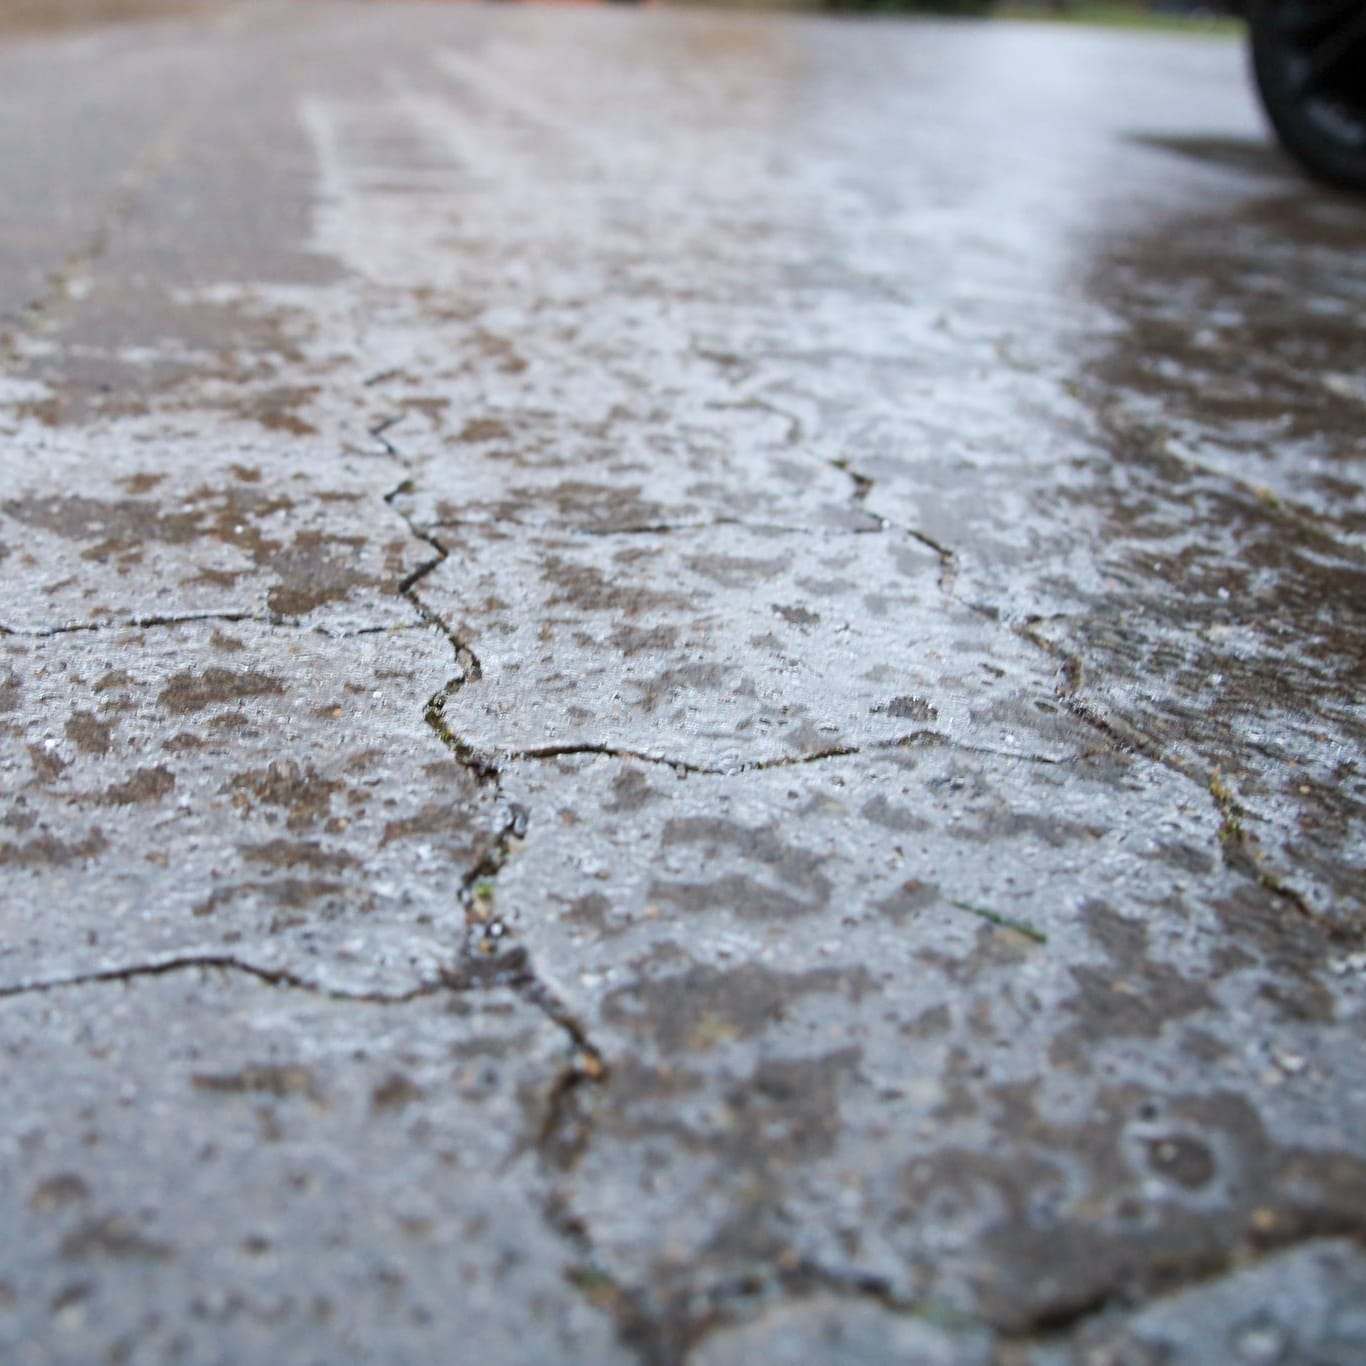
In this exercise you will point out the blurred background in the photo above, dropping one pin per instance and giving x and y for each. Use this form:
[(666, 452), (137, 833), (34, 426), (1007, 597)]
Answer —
[(1209, 14)]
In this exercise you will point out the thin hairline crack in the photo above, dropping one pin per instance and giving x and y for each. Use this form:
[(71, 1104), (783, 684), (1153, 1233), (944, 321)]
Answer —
[(1239, 852)]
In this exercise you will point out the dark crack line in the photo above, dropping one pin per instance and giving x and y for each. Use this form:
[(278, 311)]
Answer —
[(1151, 445), (277, 977), (948, 564), (913, 740), (489, 956), (433, 712), (863, 483), (377, 430), (1238, 851), (144, 623), (131, 624)]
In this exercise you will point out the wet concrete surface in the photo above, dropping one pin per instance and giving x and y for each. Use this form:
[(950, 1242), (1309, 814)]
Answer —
[(675, 688)]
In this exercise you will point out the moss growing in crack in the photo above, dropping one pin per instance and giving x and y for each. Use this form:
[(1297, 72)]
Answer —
[(468, 756), (596, 1286), (481, 899), (1231, 827)]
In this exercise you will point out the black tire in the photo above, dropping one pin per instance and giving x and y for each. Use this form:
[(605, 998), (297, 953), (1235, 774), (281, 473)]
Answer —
[(1309, 59)]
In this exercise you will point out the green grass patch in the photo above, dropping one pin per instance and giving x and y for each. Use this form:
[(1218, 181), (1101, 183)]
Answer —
[(1006, 922)]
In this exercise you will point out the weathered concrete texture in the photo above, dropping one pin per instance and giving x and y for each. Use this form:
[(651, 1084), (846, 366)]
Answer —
[(201, 1166), (1304, 1305), (1226, 636), (233, 789), (143, 532), (726, 646), (675, 687), (850, 1050), (825, 1331)]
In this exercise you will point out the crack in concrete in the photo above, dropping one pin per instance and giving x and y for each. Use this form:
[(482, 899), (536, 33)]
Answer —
[(948, 565), (664, 1335), (486, 957), (278, 977), (1238, 850), (377, 431), (144, 623), (863, 483), (135, 623), (684, 767)]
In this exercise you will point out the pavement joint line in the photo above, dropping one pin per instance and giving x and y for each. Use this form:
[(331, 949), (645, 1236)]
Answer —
[(86, 255)]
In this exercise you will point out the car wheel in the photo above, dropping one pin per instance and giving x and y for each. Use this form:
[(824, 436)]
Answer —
[(1309, 58)]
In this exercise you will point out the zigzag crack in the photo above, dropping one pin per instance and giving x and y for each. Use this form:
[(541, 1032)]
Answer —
[(487, 956)]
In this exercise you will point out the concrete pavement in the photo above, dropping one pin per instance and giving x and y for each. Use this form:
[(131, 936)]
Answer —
[(675, 687)]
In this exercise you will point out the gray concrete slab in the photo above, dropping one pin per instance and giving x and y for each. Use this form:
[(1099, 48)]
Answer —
[(232, 789), (376, 1157), (144, 533), (848, 1038), (726, 646), (674, 687)]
